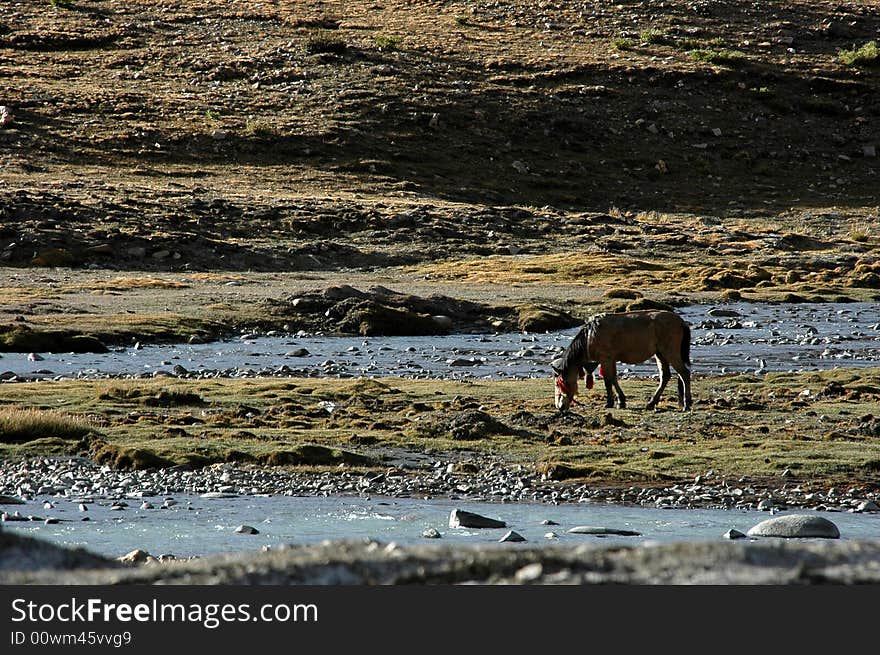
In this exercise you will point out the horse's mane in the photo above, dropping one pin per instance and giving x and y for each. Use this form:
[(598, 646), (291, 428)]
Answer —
[(577, 352)]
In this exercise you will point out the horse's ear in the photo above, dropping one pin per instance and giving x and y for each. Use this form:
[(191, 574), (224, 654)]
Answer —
[(557, 365)]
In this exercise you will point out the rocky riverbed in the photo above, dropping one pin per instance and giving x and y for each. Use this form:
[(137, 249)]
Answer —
[(78, 480)]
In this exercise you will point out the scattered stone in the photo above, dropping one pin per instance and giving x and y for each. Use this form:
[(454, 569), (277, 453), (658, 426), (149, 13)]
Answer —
[(589, 529), (512, 536), (10, 500), (246, 529), (733, 533), (551, 535), (765, 505), (529, 573), (15, 516), (459, 518), (136, 556), (549, 522), (431, 533), (51, 520), (725, 313), (795, 525), (868, 506)]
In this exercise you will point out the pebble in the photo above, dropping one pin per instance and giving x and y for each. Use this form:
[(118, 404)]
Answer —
[(530, 572), (512, 536), (590, 529), (868, 506), (246, 529), (734, 534), (431, 533)]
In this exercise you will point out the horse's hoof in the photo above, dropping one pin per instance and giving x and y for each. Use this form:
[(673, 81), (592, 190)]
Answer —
[(650, 406)]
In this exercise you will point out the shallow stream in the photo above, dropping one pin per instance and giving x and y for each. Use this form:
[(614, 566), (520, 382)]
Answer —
[(203, 526), (736, 337)]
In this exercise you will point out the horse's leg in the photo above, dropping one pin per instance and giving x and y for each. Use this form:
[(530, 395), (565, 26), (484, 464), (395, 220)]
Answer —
[(609, 375), (684, 385), (665, 376), (609, 370)]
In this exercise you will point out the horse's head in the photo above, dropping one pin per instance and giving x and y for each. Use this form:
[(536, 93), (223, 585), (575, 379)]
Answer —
[(566, 384), (566, 378)]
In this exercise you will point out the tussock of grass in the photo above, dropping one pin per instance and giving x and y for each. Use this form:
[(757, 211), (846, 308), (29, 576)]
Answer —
[(865, 55), (126, 283), (22, 425), (722, 56), (325, 42)]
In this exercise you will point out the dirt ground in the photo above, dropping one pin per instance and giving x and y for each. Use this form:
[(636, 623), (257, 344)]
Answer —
[(168, 166), (510, 151)]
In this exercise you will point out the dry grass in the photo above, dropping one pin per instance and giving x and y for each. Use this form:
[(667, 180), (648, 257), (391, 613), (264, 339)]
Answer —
[(20, 425), (128, 283)]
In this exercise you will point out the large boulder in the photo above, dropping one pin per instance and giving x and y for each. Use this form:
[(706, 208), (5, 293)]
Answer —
[(795, 526)]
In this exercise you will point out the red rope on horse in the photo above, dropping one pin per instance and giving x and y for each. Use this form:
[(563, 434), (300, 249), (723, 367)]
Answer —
[(560, 384)]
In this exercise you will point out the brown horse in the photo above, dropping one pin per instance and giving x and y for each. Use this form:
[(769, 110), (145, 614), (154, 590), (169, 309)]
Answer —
[(631, 338)]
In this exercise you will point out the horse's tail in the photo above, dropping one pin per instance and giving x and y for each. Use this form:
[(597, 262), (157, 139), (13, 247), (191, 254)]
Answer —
[(686, 345)]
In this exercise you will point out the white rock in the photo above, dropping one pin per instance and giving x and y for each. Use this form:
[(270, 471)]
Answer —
[(795, 525), (246, 529), (590, 529)]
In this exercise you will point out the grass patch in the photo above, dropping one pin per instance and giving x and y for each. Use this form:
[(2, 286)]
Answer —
[(718, 57), (829, 434), (623, 44), (865, 55), (387, 42), (326, 42), (653, 36), (23, 425), (128, 283)]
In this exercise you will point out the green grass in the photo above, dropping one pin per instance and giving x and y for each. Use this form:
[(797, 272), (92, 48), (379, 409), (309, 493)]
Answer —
[(719, 57), (865, 55), (653, 35), (387, 42), (691, 43), (622, 43)]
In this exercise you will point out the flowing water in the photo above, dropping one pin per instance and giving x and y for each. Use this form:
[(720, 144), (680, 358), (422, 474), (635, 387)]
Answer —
[(202, 526), (736, 337)]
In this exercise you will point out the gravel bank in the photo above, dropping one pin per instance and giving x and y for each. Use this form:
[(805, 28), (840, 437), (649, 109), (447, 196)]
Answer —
[(79, 479)]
